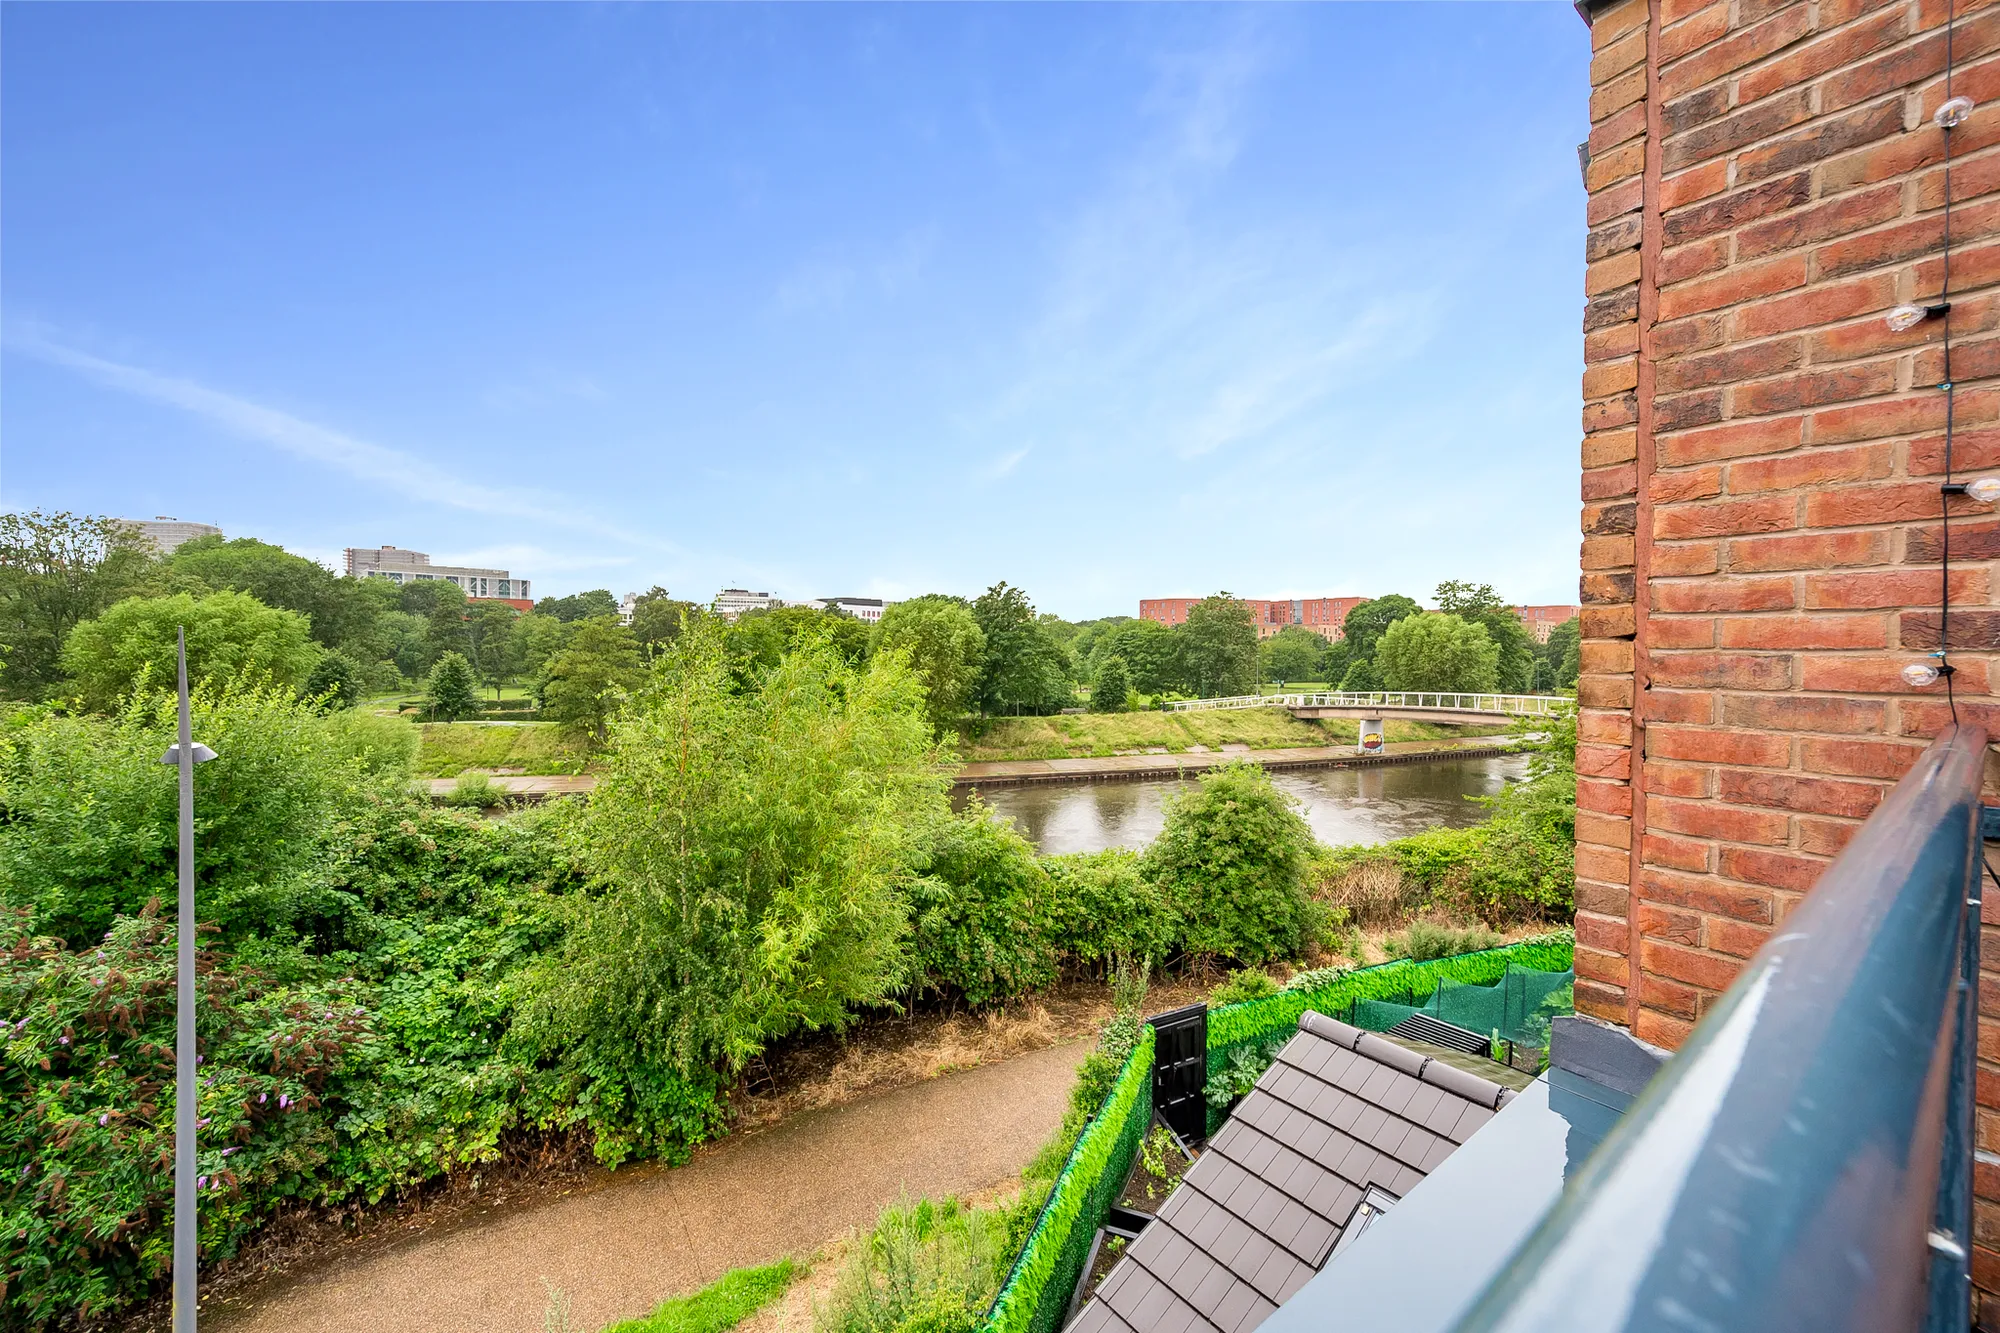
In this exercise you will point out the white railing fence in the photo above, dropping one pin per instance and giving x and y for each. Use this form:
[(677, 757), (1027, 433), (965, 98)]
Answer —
[(1511, 705)]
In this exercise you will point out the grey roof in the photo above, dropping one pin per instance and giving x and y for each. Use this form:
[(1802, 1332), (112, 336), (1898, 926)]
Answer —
[(1339, 1110)]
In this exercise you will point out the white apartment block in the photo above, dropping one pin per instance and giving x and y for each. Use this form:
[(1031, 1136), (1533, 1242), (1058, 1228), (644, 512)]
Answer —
[(400, 566), (733, 602), (869, 609), (166, 533)]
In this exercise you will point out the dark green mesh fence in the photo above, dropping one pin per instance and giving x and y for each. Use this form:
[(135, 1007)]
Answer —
[(1511, 1006)]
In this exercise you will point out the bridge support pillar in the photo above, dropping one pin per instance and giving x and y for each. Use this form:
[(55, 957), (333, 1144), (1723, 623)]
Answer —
[(1371, 735)]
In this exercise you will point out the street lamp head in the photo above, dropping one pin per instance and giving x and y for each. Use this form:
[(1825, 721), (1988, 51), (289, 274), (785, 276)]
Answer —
[(172, 758)]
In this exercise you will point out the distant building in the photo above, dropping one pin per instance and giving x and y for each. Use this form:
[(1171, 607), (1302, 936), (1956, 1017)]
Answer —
[(1542, 619), (164, 533), (400, 566), (733, 602), (869, 609), (1324, 616)]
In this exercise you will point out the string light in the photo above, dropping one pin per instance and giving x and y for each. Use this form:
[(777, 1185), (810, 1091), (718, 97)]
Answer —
[(1920, 674), (1909, 316), (1953, 113), (1986, 490)]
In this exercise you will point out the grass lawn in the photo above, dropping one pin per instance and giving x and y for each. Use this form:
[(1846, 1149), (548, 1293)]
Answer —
[(719, 1306), (1091, 734), (450, 748)]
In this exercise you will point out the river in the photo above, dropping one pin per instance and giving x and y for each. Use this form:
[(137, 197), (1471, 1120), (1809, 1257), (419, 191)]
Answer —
[(1343, 805)]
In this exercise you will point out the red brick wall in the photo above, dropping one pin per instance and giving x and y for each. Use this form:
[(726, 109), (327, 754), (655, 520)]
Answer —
[(1761, 461)]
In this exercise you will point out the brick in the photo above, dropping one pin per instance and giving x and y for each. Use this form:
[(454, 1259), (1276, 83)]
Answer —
[(1879, 675), (1661, 1029), (1971, 631), (1787, 791), (1694, 32), (1820, 467), (1600, 520), (1711, 896), (1615, 164), (1595, 725), (1709, 820), (1606, 589), (1750, 594), (1971, 266), (1696, 333), (1970, 178), (1726, 518), (1734, 209), (1779, 632), (1735, 440), (1819, 550), (1703, 483), (1805, 712), (1684, 187), (1693, 260), (1722, 671), (1859, 759), (1686, 410), (1612, 271), (1891, 588), (1969, 541), (1686, 780), (1604, 761), (1736, 938), (1927, 717), (1665, 632), (1611, 482), (1835, 217), (1607, 622), (1600, 553), (1608, 970), (1611, 412), (1606, 657), (1697, 108), (1873, 421), (1730, 365), (1869, 294), (1777, 870), (1679, 706), (1611, 342), (1750, 44), (1974, 359), (1719, 138), (1622, 198), (1855, 505), (1621, 233), (1824, 53), (1614, 446), (1899, 157), (1603, 829), (1899, 69), (1743, 283), (1905, 240), (1602, 863), (1604, 796), (1718, 747), (1709, 971), (1682, 559), (1663, 997), (1670, 925), (1677, 853), (1616, 58), (1971, 451), (1826, 137), (1614, 21), (1610, 377), (1617, 129), (1813, 389)]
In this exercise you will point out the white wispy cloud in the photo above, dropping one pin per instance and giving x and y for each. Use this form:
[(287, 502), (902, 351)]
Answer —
[(1004, 464), (337, 450)]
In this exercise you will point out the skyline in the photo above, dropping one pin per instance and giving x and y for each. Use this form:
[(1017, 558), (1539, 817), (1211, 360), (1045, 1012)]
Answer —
[(1105, 303)]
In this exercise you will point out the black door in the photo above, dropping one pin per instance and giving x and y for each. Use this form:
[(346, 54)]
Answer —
[(1180, 1071)]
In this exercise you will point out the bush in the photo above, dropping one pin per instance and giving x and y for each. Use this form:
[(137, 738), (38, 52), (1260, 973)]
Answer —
[(476, 791), (230, 636), (1231, 860), (1426, 940), (1100, 907), (451, 690), (977, 912), (380, 747), (1110, 686), (1248, 984), (334, 682)]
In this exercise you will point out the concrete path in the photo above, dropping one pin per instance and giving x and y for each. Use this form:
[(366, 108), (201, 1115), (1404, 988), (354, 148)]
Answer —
[(643, 1234), (516, 784)]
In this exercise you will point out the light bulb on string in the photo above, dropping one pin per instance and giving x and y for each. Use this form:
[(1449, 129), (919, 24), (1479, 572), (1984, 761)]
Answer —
[(1953, 113), (1920, 674), (1985, 490), (1905, 317)]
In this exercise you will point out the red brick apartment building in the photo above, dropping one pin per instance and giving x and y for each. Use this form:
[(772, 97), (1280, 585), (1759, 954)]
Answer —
[(1763, 450), (1324, 616), (1542, 620)]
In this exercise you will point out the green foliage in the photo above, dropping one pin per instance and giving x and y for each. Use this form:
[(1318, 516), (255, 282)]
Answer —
[(945, 646), (335, 681), (1570, 663), (1026, 669), (491, 645), (753, 849), (380, 747), (342, 612), (57, 571), (1162, 1161), (1361, 677), (476, 791), (1479, 604), (1101, 907), (585, 684), (229, 635), (927, 1267), (719, 1306), (1110, 686), (91, 815), (592, 605), (658, 619), (1426, 940), (1250, 983), (1293, 653), (1231, 860), (1239, 1072), (1219, 646), (1438, 652), (758, 639), (451, 689), (1368, 622), (1152, 653), (978, 910)]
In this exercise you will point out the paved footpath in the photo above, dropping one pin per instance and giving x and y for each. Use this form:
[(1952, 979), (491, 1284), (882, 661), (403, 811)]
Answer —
[(647, 1233)]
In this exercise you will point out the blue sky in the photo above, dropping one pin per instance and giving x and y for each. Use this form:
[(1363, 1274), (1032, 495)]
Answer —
[(1107, 301)]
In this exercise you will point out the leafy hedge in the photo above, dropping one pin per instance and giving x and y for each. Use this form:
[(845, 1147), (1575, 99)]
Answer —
[(1035, 1296)]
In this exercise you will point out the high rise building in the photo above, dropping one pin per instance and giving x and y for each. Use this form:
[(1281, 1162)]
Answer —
[(166, 533), (400, 566)]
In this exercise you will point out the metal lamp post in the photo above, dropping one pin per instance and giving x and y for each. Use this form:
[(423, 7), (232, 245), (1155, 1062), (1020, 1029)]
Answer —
[(184, 755)]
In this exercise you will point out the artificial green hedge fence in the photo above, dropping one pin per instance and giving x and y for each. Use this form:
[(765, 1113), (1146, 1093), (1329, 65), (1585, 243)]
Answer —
[(1035, 1296), (1405, 982)]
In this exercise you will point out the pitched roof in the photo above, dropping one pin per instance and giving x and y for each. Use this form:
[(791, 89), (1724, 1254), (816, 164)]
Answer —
[(1339, 1110)]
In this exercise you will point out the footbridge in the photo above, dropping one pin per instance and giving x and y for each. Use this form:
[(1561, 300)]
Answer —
[(1400, 705)]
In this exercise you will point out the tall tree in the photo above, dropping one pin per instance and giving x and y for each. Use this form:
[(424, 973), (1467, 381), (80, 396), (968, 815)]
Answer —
[(1151, 652), (945, 646), (57, 571), (1368, 622), (1219, 646), (1109, 686), (495, 652), (1440, 652), (229, 635), (452, 688), (1293, 653), (658, 619), (579, 605), (1479, 604), (342, 611), (1564, 651), (1026, 670), (589, 679)]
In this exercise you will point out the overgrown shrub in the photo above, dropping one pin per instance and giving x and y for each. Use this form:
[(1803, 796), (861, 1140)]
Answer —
[(1249, 984), (1426, 940), (1101, 906), (978, 912), (1231, 860), (476, 791), (927, 1267)]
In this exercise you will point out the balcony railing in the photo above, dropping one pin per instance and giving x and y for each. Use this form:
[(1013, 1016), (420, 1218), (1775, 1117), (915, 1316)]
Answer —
[(1512, 705), (1805, 1161)]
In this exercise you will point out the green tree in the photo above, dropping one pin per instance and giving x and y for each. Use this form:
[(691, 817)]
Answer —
[(1219, 646), (759, 639), (1478, 604), (229, 634), (753, 848), (422, 597), (1563, 653), (978, 913), (342, 612), (1151, 652), (579, 606), (1026, 669), (1231, 862), (495, 651), (1335, 661), (57, 571), (944, 645), (1437, 652), (337, 677), (537, 639), (657, 618), (452, 688), (406, 641), (589, 679), (1368, 622), (1361, 677), (1110, 686), (1293, 653)]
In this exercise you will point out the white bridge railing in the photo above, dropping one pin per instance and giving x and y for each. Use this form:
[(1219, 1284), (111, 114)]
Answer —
[(1511, 705)]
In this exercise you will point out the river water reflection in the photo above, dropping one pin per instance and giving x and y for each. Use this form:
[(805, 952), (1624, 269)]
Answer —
[(1343, 805)]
